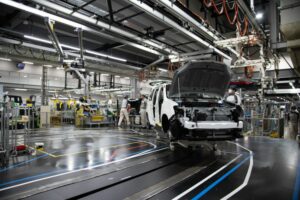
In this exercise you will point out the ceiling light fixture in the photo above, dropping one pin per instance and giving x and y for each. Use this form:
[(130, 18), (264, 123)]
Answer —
[(259, 15), (37, 39), (117, 76), (49, 66), (20, 89), (5, 59), (163, 70), (76, 48), (27, 62), (70, 47)]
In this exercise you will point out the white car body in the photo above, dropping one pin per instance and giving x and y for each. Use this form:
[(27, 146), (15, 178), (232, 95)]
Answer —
[(159, 94), (184, 115)]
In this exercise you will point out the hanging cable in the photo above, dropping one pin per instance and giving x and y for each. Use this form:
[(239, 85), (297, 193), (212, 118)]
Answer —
[(232, 22), (216, 8), (242, 33), (236, 17)]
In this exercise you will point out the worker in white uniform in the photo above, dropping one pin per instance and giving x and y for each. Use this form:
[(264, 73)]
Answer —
[(293, 119), (233, 96), (143, 112), (124, 112)]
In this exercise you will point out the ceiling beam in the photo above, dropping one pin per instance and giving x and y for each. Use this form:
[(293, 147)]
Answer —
[(130, 16), (106, 47), (83, 5), (110, 10)]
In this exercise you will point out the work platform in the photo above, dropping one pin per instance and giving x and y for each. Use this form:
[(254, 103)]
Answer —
[(127, 164)]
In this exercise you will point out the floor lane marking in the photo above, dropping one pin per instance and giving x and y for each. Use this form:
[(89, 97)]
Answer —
[(24, 162), (205, 179), (211, 186), (247, 177), (124, 178), (297, 184), (86, 168)]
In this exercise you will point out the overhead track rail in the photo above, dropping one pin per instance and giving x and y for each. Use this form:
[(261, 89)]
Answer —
[(86, 28), (158, 15), (106, 26)]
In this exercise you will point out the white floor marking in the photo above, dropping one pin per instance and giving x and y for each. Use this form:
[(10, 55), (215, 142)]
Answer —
[(207, 178), (83, 169), (247, 178), (127, 177)]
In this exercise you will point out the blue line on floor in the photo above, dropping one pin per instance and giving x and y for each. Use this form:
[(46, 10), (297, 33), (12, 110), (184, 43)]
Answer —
[(24, 162), (30, 178), (211, 186), (297, 184)]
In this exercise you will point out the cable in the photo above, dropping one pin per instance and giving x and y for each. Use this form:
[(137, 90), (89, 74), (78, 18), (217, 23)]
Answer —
[(216, 8), (236, 18), (233, 5), (235, 12), (242, 33)]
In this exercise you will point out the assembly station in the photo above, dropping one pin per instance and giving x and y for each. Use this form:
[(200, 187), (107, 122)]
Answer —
[(150, 99)]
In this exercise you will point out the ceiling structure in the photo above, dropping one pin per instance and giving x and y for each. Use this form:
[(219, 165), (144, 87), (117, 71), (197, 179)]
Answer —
[(121, 29), (123, 34)]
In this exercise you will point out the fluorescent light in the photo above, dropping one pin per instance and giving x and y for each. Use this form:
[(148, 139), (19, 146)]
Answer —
[(105, 74), (37, 39), (119, 59), (25, 76), (163, 70), (92, 72), (20, 89), (27, 62), (48, 66), (76, 48), (96, 53), (117, 76), (127, 78), (259, 15), (292, 85), (5, 59), (68, 61), (59, 68), (106, 56), (70, 47)]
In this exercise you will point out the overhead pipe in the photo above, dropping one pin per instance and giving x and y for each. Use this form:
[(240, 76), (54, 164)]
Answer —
[(50, 27), (205, 31), (101, 24), (162, 58), (75, 24), (173, 24)]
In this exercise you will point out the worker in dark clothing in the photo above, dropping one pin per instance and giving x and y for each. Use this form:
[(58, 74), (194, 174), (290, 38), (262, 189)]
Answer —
[(293, 119)]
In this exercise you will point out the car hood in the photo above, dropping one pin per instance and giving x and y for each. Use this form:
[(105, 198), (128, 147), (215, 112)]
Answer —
[(204, 78)]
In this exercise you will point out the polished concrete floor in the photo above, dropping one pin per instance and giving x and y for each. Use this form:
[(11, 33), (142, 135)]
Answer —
[(118, 164)]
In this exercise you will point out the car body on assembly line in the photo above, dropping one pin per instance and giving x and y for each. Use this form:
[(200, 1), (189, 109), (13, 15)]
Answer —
[(191, 109)]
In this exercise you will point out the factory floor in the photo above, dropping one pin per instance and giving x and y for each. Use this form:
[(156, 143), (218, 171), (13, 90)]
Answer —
[(111, 163)]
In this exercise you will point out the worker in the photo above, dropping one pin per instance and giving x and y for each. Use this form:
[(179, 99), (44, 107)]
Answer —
[(293, 118), (124, 112), (143, 112), (233, 96)]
